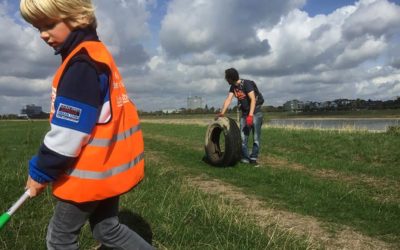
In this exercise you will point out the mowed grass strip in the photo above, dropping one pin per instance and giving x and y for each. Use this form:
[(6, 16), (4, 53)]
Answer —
[(340, 201), (371, 154)]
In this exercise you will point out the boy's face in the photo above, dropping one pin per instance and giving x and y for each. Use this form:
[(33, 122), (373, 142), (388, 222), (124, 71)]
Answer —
[(53, 32)]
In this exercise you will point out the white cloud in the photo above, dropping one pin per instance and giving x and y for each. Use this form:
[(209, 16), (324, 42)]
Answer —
[(377, 18), (123, 27), (225, 26), (359, 51), (22, 52)]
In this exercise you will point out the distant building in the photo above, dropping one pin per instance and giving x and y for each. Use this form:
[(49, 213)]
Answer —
[(329, 105), (170, 111), (31, 110), (194, 102), (342, 102), (293, 106), (23, 116)]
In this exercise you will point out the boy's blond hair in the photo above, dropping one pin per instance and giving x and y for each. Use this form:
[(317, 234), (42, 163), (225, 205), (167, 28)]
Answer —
[(75, 13)]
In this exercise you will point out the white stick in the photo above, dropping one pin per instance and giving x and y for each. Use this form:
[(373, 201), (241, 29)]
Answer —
[(19, 202)]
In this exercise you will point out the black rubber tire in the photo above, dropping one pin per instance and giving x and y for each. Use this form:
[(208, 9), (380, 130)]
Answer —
[(228, 155)]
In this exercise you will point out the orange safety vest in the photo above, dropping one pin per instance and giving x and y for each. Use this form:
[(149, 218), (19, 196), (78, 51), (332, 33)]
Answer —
[(112, 162)]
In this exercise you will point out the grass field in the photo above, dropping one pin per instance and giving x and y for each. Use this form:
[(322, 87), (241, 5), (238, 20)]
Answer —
[(313, 190)]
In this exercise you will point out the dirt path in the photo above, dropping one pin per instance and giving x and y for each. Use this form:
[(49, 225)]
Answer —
[(318, 234)]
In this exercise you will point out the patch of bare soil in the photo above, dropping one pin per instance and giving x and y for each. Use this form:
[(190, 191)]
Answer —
[(316, 231)]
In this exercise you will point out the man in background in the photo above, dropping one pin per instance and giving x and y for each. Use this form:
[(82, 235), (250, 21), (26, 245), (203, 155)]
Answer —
[(250, 101)]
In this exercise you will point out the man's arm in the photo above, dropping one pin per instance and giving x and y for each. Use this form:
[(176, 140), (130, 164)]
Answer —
[(227, 102), (252, 98)]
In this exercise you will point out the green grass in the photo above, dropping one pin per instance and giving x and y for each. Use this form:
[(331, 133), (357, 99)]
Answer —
[(372, 154), (185, 218), (343, 179), (363, 193), (165, 207)]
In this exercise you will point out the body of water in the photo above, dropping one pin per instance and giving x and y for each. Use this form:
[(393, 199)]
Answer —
[(372, 124)]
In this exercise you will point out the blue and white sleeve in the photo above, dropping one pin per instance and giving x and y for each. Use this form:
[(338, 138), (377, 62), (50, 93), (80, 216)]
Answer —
[(77, 109), (71, 126)]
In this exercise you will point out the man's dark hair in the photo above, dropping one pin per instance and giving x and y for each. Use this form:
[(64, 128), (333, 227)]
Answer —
[(231, 75)]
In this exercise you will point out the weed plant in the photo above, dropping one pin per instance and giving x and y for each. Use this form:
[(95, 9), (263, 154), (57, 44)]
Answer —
[(393, 130)]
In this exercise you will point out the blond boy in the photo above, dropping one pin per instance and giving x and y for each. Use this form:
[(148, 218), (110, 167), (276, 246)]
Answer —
[(93, 152)]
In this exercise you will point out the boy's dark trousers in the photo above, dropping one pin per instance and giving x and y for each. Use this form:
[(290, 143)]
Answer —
[(69, 218)]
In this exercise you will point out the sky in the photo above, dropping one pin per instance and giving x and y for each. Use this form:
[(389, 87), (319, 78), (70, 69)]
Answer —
[(168, 50)]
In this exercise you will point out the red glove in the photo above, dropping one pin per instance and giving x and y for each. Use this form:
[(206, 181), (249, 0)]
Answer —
[(249, 120)]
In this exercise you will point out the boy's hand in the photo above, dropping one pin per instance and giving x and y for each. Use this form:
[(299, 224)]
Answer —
[(34, 187)]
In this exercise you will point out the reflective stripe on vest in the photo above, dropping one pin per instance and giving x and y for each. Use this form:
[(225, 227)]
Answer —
[(85, 174), (113, 160), (118, 137)]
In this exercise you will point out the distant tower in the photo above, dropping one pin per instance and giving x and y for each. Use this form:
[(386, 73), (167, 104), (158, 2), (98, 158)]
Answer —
[(194, 102)]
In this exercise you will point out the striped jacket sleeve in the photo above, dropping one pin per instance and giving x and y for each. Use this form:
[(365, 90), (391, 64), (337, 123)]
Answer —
[(78, 106)]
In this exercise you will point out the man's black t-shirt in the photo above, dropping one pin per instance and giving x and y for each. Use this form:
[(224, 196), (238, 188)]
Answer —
[(241, 93)]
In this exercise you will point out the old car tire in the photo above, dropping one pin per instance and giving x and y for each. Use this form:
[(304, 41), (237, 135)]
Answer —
[(223, 142)]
